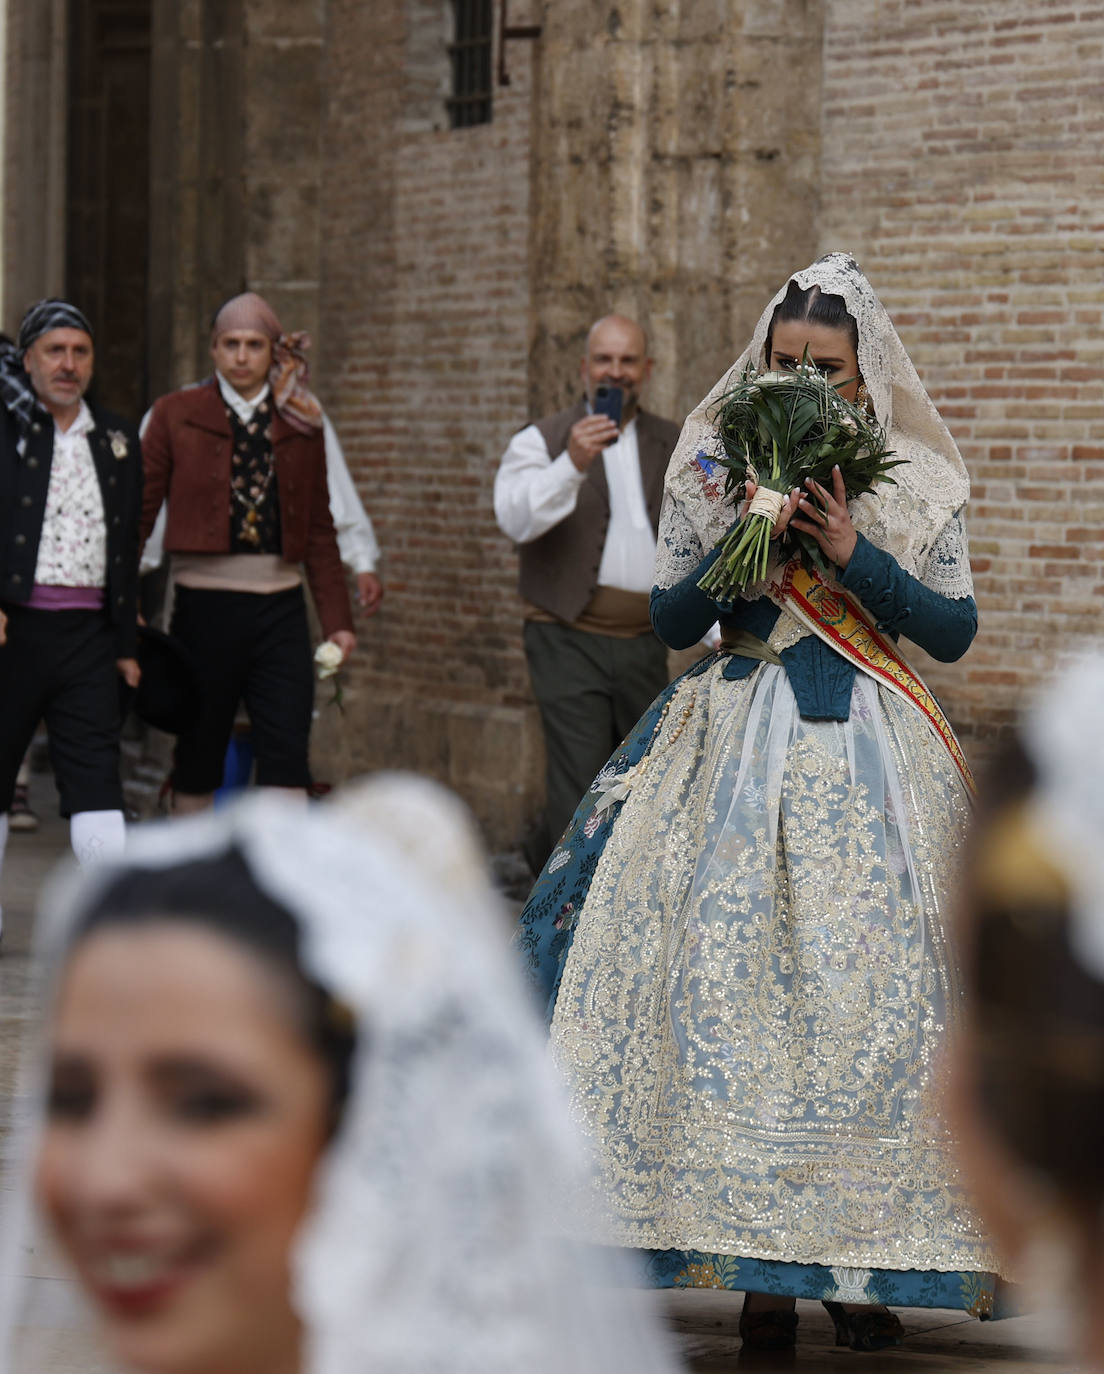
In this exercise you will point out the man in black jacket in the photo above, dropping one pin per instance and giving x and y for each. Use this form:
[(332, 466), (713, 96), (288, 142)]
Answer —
[(70, 499)]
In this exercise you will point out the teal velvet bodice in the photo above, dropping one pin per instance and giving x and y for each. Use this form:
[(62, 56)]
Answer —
[(822, 679)]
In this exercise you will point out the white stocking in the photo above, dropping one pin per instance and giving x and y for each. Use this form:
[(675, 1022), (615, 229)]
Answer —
[(97, 835)]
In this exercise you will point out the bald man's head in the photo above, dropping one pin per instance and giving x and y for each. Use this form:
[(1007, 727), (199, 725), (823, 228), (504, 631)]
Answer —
[(617, 355), (621, 323)]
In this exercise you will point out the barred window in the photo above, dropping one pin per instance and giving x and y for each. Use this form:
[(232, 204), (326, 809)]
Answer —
[(470, 51)]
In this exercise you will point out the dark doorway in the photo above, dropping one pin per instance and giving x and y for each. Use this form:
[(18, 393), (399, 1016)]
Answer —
[(107, 255)]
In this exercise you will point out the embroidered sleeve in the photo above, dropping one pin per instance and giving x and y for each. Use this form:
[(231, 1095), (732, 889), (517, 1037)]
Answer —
[(947, 570), (679, 551)]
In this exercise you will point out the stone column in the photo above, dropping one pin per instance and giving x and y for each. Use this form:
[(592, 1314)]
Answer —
[(365, 49), (197, 239), (34, 153), (675, 175), (236, 130), (282, 74)]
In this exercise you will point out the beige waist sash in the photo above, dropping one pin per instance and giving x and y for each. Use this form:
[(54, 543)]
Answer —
[(263, 573), (610, 611)]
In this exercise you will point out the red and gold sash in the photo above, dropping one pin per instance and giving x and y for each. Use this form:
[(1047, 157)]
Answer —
[(840, 621)]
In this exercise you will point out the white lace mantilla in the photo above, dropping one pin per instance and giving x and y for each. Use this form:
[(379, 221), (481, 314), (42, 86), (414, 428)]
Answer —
[(435, 1242), (918, 521)]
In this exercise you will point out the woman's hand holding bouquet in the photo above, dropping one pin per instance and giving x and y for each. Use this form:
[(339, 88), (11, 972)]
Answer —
[(785, 436)]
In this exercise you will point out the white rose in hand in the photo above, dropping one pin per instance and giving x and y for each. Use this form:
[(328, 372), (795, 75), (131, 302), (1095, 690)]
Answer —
[(328, 658)]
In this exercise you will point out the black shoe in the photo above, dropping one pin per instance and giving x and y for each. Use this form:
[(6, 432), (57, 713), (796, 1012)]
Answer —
[(874, 1328), (773, 1329)]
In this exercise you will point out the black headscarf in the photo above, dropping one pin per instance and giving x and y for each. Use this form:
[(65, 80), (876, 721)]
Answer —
[(16, 392)]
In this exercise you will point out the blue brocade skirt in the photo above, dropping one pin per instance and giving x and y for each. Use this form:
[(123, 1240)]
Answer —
[(742, 943)]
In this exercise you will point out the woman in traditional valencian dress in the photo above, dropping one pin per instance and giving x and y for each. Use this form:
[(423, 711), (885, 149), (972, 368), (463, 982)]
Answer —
[(742, 933), (297, 1116)]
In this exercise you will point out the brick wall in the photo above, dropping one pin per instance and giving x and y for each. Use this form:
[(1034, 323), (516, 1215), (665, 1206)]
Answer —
[(673, 161), (676, 163), (636, 162), (961, 164), (425, 300)]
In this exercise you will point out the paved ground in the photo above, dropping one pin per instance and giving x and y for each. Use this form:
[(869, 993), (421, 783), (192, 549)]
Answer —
[(704, 1323)]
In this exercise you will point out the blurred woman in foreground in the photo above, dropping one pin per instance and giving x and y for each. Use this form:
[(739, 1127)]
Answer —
[(297, 1117), (1029, 1084)]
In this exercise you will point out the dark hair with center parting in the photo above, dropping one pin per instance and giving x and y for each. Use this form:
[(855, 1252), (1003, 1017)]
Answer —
[(221, 895), (1038, 1014), (818, 307)]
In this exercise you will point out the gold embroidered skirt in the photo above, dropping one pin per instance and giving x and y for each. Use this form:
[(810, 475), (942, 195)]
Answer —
[(759, 991)]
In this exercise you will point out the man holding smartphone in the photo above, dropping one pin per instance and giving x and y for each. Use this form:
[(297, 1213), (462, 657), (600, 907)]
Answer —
[(580, 493)]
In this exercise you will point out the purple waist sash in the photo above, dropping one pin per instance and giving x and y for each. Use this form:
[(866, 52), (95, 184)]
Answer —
[(46, 598)]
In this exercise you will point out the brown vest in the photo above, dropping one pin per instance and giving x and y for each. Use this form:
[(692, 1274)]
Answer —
[(559, 571), (186, 458)]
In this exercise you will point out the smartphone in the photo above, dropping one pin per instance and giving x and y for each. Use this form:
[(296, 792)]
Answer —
[(607, 401)]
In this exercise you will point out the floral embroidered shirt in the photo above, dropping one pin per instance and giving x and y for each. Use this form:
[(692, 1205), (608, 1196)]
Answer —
[(72, 551)]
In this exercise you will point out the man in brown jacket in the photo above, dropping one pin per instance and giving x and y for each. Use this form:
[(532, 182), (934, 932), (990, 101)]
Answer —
[(581, 497), (241, 462)]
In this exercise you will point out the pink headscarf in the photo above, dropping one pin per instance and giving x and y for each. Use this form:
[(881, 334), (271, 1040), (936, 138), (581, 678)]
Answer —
[(289, 373)]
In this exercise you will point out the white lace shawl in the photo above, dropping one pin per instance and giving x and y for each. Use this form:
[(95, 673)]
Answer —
[(436, 1238), (1062, 737), (919, 521)]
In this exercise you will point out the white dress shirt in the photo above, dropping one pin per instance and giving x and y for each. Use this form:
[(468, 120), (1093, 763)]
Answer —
[(534, 491), (72, 550), (243, 409), (356, 539)]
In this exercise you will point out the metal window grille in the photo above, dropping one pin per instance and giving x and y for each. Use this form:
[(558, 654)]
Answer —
[(470, 52)]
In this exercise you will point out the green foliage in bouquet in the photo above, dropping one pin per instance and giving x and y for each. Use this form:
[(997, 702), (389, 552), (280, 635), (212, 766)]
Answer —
[(776, 429)]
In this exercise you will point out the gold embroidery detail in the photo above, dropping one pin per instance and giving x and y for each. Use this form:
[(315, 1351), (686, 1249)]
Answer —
[(753, 1010)]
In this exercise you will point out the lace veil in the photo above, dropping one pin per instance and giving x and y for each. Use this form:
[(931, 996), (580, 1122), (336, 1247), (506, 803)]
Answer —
[(1063, 740), (906, 520), (436, 1238)]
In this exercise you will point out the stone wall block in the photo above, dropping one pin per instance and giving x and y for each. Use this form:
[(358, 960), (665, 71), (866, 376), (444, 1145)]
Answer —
[(284, 102), (501, 818), (384, 730), (782, 19), (427, 71), (667, 217), (490, 748), (706, 24), (282, 218), (286, 22), (282, 149), (491, 758), (702, 193), (707, 116), (681, 212), (707, 343), (628, 163), (663, 115)]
